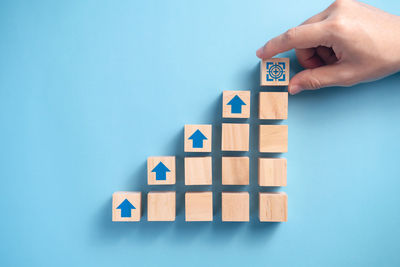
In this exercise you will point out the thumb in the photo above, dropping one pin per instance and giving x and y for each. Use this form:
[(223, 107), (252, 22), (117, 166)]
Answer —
[(312, 79)]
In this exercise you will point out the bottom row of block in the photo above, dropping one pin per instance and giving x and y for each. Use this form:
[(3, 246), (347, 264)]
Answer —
[(126, 206)]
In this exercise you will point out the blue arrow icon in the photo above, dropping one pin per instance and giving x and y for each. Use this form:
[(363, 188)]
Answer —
[(198, 138), (126, 208), (236, 104), (161, 171)]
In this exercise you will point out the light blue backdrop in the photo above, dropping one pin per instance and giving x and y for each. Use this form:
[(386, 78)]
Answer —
[(90, 89)]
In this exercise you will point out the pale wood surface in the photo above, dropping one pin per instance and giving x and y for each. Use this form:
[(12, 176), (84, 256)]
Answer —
[(273, 106), (263, 72), (235, 137), (273, 138), (198, 206), (272, 171), (161, 206), (135, 198), (226, 109), (198, 170), (169, 162), (235, 170), (235, 206), (273, 207), (205, 129)]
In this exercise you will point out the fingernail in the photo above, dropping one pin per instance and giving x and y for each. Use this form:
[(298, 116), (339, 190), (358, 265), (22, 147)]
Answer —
[(259, 52), (294, 89)]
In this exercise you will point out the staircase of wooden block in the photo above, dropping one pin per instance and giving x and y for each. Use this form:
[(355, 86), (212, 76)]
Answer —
[(235, 206)]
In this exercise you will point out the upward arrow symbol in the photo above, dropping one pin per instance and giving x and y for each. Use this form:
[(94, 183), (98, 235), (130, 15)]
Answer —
[(161, 171), (198, 138), (126, 208), (236, 104)]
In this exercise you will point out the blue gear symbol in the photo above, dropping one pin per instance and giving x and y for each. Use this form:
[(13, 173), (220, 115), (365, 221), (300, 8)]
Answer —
[(276, 71)]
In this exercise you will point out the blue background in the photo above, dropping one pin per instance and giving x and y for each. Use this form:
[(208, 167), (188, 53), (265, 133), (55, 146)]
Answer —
[(90, 89)]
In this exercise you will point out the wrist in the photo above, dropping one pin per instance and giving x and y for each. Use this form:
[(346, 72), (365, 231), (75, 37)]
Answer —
[(397, 46)]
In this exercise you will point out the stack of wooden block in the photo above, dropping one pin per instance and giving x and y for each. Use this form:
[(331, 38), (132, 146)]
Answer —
[(273, 138)]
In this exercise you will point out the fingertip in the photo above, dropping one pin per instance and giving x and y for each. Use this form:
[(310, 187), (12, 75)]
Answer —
[(259, 52), (294, 89)]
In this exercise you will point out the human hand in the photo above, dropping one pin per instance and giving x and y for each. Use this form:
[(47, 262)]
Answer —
[(348, 43)]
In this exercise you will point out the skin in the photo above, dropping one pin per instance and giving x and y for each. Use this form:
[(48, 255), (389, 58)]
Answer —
[(348, 43)]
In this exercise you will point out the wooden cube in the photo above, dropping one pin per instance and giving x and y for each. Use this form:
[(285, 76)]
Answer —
[(160, 170), (273, 106), (161, 206), (126, 206), (236, 104), (273, 207), (274, 71), (235, 170), (272, 171), (198, 206), (235, 206), (198, 171), (198, 138), (235, 137), (273, 138)]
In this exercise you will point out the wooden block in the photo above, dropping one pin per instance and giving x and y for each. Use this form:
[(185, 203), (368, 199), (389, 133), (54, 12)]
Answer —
[(273, 138), (198, 138), (235, 137), (235, 170), (273, 106), (274, 71), (236, 104), (273, 207), (160, 170), (126, 206), (161, 206), (198, 171), (235, 206), (272, 171), (198, 206)]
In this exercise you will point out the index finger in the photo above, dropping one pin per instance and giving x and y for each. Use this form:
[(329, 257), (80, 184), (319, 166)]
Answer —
[(300, 37)]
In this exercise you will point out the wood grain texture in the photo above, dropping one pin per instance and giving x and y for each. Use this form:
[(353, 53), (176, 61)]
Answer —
[(275, 82), (273, 106), (227, 96), (198, 170), (273, 207), (161, 206), (205, 129), (235, 170), (169, 162), (273, 138), (235, 137), (272, 171), (235, 207), (198, 206), (135, 198)]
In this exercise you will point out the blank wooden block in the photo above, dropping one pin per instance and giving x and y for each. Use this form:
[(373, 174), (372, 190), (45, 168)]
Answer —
[(198, 171), (235, 137), (198, 138), (274, 71), (160, 170), (273, 207), (235, 170), (272, 171), (235, 206), (198, 206), (273, 138), (126, 206), (236, 104), (273, 106), (161, 206)]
